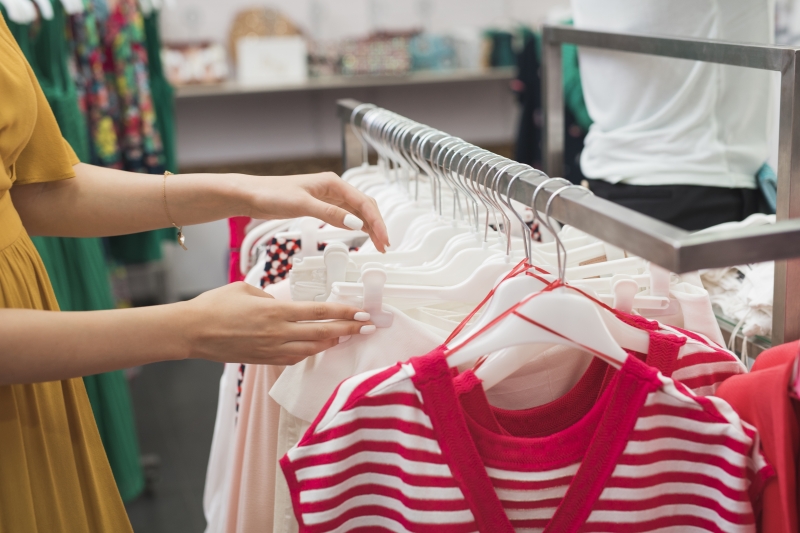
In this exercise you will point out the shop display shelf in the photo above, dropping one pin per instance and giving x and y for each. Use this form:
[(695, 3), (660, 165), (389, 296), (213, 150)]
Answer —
[(350, 82)]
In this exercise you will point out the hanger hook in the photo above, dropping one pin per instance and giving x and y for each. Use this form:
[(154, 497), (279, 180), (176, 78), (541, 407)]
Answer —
[(536, 191), (562, 265), (505, 229), (526, 231), (357, 132)]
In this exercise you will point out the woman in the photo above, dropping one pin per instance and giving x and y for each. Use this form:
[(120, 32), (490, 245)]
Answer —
[(54, 475)]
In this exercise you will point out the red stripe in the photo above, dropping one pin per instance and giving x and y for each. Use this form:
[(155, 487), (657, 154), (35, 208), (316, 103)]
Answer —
[(673, 521), (675, 477), (376, 510), (388, 423), (681, 455), (675, 499), (701, 358), (386, 469), (710, 439), (541, 504), (391, 398), (381, 490), (517, 484), (369, 446)]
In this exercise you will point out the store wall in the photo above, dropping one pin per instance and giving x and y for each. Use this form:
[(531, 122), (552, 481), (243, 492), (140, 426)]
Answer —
[(261, 127), (193, 20)]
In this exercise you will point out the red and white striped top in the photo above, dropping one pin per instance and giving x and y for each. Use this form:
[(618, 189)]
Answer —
[(686, 356), (410, 448)]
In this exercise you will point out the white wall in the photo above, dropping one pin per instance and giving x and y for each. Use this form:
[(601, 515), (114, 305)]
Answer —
[(261, 127), (193, 20)]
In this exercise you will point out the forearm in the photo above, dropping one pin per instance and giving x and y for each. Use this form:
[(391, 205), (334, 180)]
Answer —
[(40, 346), (103, 202)]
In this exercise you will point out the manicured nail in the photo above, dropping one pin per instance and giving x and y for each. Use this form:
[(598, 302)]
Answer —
[(344, 339), (361, 316), (353, 222), (366, 330)]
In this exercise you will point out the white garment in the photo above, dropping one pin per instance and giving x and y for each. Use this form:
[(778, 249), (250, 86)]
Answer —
[(744, 294), (220, 460), (661, 121), (304, 388)]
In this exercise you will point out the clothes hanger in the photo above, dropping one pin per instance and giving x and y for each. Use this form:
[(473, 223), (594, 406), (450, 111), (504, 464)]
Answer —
[(507, 293), (72, 7), (20, 11), (365, 166), (45, 9), (252, 238), (548, 317)]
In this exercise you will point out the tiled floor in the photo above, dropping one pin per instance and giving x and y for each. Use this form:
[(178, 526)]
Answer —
[(175, 405)]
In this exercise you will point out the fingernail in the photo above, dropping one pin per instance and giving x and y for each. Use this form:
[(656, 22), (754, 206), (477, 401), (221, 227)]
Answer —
[(344, 339), (361, 316), (353, 222), (366, 330)]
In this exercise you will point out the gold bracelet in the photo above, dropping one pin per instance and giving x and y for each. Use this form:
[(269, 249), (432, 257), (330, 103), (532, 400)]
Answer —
[(181, 237)]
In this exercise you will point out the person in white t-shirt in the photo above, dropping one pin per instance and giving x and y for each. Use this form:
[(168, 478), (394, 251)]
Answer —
[(678, 140)]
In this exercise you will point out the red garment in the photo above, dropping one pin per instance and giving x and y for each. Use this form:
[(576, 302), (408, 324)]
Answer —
[(761, 398), (396, 450), (237, 227)]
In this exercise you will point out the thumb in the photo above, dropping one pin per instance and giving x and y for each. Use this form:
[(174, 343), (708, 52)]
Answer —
[(334, 215)]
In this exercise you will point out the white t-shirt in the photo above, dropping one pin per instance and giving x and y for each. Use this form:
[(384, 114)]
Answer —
[(664, 121)]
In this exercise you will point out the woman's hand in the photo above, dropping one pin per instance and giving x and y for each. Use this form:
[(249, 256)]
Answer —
[(242, 324), (324, 196)]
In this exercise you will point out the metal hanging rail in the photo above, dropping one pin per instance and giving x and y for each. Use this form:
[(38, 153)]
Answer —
[(783, 59), (665, 245)]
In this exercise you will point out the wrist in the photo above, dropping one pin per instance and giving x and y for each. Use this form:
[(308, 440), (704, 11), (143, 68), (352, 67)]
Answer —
[(240, 191), (183, 321)]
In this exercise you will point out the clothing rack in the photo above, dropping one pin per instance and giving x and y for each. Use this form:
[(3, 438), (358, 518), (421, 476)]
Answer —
[(665, 245), (776, 242), (675, 249)]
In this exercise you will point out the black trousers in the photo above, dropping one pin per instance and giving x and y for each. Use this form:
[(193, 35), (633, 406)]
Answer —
[(690, 207)]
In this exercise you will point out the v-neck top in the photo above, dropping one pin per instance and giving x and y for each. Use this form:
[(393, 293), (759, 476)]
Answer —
[(397, 449)]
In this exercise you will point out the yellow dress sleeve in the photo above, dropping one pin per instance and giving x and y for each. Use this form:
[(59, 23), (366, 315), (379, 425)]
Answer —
[(46, 156)]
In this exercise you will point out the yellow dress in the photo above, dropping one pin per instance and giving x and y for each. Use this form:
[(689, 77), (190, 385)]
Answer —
[(54, 475)]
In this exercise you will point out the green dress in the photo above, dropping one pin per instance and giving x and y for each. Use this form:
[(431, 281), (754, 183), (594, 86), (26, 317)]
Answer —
[(163, 102), (77, 267)]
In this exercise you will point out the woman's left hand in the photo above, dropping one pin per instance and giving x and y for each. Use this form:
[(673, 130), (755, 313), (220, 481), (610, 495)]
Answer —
[(324, 196)]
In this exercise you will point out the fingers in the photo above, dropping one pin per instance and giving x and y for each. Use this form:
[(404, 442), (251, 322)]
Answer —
[(307, 348), (332, 214), (307, 311), (319, 331), (366, 209)]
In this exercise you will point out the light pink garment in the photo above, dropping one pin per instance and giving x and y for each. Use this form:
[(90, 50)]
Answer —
[(250, 505), (239, 445)]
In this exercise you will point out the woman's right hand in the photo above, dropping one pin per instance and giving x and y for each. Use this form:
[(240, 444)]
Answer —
[(240, 323)]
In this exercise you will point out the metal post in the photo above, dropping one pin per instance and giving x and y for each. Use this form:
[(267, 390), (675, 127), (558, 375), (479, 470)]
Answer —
[(786, 304), (552, 105)]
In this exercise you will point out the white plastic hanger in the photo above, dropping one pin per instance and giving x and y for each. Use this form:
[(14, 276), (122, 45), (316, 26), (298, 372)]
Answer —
[(20, 11), (247, 255), (556, 317), (549, 318), (45, 8), (72, 7)]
